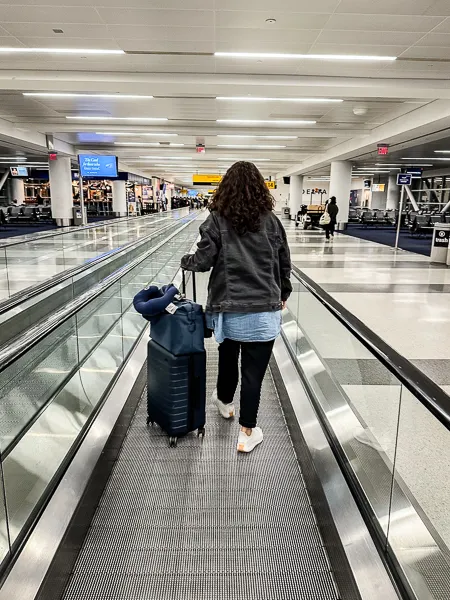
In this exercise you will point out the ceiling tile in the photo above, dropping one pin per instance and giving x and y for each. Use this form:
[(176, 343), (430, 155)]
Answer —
[(297, 6), (241, 44), (45, 30), (360, 49), (47, 14), (428, 52), (369, 38), (53, 42), (156, 18), (244, 19), (444, 27), (435, 39), (386, 7), (145, 32), (170, 45), (379, 22), (439, 8), (287, 36)]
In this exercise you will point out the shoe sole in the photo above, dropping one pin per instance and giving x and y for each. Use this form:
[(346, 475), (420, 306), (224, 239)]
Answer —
[(245, 449)]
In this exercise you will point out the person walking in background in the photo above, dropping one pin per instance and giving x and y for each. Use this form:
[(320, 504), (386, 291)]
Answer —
[(245, 245), (332, 209)]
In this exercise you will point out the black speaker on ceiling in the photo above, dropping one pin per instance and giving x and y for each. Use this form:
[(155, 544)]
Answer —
[(286, 180)]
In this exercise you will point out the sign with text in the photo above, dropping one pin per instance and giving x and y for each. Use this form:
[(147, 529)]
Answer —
[(95, 165), (378, 187), (271, 185), (404, 179), (383, 149), (206, 179), (441, 238)]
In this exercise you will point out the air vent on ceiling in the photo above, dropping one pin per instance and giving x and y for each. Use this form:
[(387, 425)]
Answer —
[(58, 31)]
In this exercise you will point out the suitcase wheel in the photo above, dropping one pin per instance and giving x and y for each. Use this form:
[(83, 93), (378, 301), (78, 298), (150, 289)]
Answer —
[(201, 432), (173, 442)]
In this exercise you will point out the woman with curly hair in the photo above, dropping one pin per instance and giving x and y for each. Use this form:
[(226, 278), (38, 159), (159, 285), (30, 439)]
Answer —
[(245, 245)]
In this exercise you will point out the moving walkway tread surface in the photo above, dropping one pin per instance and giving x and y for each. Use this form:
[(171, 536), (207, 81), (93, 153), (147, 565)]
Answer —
[(202, 521)]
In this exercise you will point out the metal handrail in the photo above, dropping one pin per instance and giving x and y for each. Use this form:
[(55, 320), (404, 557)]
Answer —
[(28, 293), (429, 394), (13, 351)]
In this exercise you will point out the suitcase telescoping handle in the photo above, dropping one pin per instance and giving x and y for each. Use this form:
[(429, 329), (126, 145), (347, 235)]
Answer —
[(194, 285)]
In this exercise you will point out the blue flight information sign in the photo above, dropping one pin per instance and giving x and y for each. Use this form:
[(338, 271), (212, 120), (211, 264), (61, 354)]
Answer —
[(404, 179), (95, 165)]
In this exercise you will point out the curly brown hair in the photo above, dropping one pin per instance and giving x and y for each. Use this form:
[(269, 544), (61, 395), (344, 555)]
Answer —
[(242, 197)]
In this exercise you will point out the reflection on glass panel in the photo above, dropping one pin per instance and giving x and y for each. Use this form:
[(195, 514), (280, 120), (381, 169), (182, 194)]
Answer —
[(27, 384), (357, 395), (419, 529), (5, 542), (4, 276)]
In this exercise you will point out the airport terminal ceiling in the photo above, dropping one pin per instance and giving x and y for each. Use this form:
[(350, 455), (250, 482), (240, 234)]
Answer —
[(285, 84)]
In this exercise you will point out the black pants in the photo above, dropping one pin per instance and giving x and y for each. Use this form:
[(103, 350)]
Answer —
[(254, 361), (329, 229)]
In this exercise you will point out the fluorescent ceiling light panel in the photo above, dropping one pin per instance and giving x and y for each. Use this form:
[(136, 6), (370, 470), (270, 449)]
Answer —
[(432, 158), (132, 133), (388, 165), (70, 95), (261, 137), (136, 143), (442, 151), (21, 158), (261, 99), (100, 118), (60, 51), (266, 121), (263, 147), (304, 56)]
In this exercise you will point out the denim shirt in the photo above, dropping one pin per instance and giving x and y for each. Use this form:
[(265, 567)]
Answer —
[(245, 327)]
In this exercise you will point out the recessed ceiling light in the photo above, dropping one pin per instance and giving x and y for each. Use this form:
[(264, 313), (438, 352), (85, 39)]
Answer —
[(60, 51), (271, 21), (260, 99), (432, 158), (304, 56), (268, 121), (83, 95), (261, 137), (100, 118), (263, 147)]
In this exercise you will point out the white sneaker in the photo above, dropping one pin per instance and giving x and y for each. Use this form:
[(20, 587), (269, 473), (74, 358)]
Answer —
[(246, 443), (226, 410)]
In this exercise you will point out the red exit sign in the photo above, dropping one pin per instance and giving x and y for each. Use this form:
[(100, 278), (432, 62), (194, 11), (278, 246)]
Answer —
[(383, 149)]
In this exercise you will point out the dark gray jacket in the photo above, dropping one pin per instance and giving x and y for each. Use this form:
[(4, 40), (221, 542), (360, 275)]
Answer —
[(250, 273)]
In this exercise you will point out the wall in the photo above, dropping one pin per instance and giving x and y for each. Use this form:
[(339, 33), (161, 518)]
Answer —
[(281, 194)]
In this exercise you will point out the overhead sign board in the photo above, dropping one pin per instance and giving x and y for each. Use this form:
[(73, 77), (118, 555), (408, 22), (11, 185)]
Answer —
[(404, 179), (271, 185), (97, 165), (383, 149), (206, 179), (378, 187), (19, 171)]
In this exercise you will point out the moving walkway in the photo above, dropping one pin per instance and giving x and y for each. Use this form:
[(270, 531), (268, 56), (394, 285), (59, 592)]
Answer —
[(337, 503)]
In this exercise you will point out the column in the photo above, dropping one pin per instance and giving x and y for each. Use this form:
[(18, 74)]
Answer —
[(18, 190), (340, 186), (295, 194), (393, 193), (119, 198), (61, 191)]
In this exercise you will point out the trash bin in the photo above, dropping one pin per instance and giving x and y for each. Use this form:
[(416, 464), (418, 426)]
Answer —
[(441, 245), (77, 216), (286, 212)]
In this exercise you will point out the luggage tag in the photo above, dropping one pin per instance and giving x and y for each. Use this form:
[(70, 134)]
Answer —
[(171, 308)]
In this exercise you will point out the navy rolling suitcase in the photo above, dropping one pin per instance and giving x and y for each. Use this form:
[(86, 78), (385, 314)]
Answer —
[(176, 398)]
